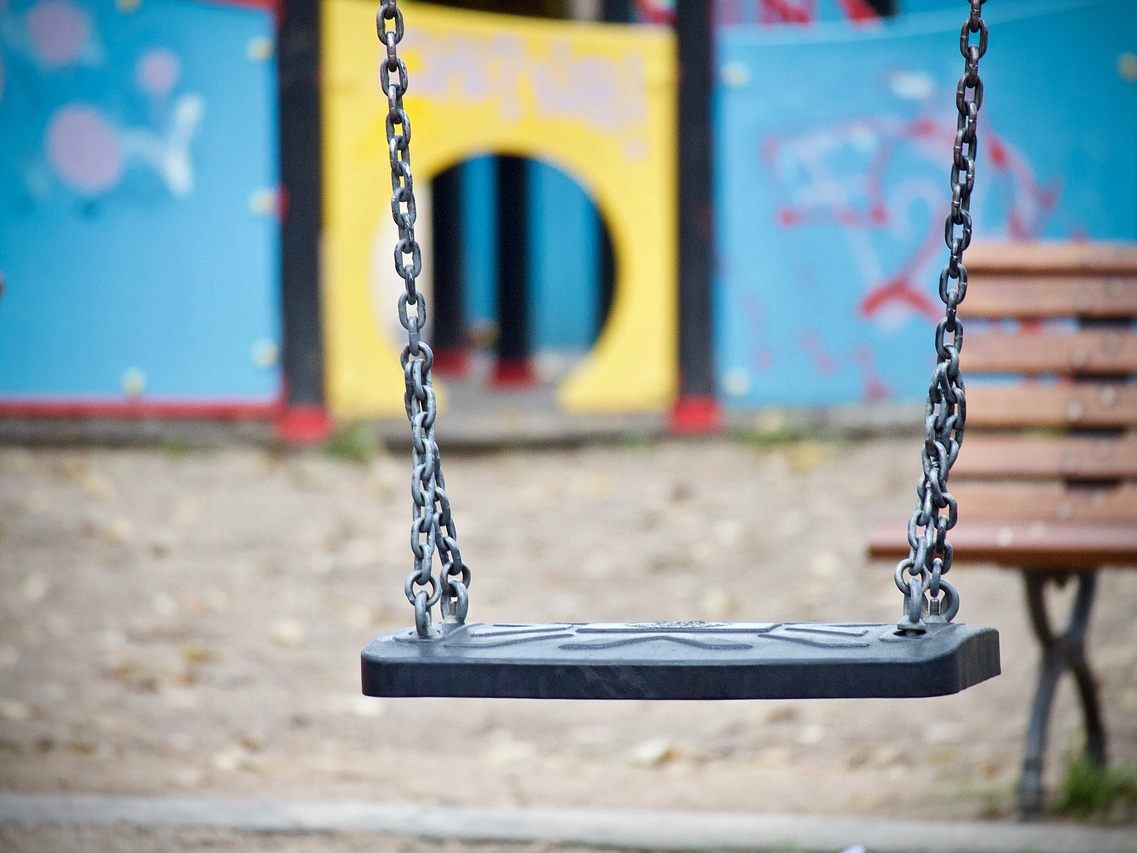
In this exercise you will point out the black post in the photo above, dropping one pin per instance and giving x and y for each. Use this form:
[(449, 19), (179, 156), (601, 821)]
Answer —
[(303, 419), (451, 356), (514, 339), (611, 12), (607, 264), (697, 409), (616, 11)]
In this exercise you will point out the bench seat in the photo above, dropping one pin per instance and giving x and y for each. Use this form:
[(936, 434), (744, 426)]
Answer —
[(1030, 545)]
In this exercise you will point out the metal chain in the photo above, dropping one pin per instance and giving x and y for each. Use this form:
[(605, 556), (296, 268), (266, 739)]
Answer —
[(432, 525), (928, 596)]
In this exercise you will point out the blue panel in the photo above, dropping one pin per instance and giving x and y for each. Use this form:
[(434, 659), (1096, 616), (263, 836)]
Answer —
[(479, 240), (565, 250), (564, 244), (832, 184), (138, 171)]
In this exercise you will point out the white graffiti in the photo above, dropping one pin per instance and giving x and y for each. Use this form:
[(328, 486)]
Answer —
[(501, 69), (169, 155)]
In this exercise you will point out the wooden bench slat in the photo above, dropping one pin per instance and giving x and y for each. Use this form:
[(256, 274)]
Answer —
[(1046, 457), (990, 295), (1049, 257), (1003, 406), (983, 502), (1085, 352), (1027, 544)]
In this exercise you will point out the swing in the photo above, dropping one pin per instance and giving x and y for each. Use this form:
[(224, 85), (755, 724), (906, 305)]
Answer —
[(924, 654)]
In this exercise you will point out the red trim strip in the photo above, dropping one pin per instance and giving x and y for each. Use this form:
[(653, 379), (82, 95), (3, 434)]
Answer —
[(205, 410), (268, 5), (650, 13)]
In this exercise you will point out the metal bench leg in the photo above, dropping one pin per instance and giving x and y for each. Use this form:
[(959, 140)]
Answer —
[(1060, 652)]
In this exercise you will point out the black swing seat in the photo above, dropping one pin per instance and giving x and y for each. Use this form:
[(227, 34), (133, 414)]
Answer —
[(680, 660)]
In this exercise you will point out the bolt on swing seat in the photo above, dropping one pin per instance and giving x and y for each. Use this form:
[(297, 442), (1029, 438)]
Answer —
[(924, 654)]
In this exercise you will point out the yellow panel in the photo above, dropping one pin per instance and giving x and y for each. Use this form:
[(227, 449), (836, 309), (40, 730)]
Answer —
[(595, 100)]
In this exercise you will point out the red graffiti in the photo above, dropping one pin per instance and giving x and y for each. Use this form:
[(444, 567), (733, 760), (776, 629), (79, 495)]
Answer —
[(860, 202)]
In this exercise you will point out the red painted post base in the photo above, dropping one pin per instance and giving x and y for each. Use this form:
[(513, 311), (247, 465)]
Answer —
[(514, 374), (301, 425), (695, 415), (452, 363)]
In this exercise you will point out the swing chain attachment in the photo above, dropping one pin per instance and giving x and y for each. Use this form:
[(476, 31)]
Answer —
[(928, 596), (432, 525)]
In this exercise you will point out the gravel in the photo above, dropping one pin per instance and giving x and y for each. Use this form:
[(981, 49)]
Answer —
[(189, 623)]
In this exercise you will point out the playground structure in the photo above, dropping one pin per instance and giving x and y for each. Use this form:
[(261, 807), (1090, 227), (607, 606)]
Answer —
[(140, 240), (148, 324), (510, 92)]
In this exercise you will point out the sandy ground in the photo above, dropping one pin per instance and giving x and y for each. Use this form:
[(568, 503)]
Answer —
[(190, 622)]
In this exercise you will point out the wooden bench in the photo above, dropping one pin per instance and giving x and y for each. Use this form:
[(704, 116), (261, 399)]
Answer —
[(1047, 476)]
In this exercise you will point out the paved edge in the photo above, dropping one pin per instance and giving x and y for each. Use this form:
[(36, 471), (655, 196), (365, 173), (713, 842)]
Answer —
[(488, 426), (671, 831)]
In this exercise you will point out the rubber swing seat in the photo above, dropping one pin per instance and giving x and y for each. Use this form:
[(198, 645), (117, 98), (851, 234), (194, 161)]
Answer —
[(680, 660)]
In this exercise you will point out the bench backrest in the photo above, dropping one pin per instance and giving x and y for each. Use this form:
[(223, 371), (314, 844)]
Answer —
[(1050, 359)]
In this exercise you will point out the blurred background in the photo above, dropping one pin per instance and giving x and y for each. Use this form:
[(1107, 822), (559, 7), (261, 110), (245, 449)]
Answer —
[(634, 230), (188, 191)]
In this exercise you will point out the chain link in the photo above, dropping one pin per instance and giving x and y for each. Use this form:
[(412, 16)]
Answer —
[(432, 525), (928, 596)]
